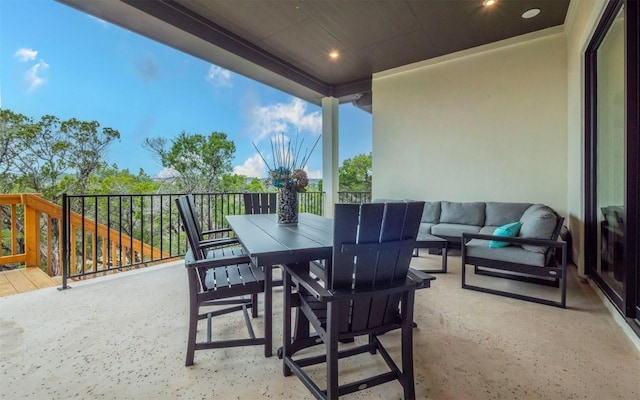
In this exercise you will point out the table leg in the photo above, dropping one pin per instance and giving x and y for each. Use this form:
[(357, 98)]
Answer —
[(268, 312), (444, 257), (444, 247)]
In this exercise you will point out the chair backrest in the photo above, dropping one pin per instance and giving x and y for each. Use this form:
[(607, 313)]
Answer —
[(259, 203), (191, 201), (372, 249), (186, 209)]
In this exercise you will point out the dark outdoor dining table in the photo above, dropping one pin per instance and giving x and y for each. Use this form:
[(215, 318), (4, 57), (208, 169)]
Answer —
[(270, 244)]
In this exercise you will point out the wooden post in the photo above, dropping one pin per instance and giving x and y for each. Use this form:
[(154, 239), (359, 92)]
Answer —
[(31, 234)]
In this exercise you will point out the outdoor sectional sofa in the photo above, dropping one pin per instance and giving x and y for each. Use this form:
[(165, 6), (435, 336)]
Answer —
[(535, 254)]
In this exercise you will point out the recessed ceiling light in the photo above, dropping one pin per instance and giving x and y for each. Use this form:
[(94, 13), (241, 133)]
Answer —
[(488, 3), (334, 55), (530, 13)]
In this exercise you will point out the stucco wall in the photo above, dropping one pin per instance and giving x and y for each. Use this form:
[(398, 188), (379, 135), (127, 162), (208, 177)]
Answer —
[(490, 126)]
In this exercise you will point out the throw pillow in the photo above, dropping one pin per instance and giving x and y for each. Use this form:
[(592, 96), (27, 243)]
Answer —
[(508, 230)]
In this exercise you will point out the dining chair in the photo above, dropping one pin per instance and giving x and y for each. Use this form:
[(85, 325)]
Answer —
[(219, 236), (369, 291), (219, 274), (259, 203)]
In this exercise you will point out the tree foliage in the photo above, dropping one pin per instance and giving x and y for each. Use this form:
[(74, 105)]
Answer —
[(111, 180), (200, 161), (50, 156), (355, 174)]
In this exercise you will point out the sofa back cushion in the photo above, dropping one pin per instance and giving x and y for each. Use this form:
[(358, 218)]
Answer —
[(538, 222), (462, 213), (431, 212), (498, 214)]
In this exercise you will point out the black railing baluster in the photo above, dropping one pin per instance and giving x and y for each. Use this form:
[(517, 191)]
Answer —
[(65, 241), (108, 256), (131, 231), (82, 243), (120, 233), (141, 228), (94, 241)]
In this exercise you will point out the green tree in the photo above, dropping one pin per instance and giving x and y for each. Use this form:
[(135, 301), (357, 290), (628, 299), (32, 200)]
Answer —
[(111, 180), (255, 186), (233, 183), (355, 174), (50, 156), (200, 161)]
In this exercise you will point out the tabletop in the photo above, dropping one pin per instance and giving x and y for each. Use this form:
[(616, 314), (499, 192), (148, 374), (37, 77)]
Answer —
[(272, 243)]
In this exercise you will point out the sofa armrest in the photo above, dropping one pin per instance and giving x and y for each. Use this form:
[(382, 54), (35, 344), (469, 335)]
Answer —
[(559, 243)]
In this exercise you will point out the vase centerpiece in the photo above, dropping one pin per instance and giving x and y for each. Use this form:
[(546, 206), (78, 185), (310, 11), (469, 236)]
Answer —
[(287, 174)]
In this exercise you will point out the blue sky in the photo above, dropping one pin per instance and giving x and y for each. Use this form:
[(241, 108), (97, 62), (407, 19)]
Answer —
[(59, 61)]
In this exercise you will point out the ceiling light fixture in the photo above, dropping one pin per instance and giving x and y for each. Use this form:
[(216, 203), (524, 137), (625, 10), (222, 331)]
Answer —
[(489, 3), (334, 55), (530, 13)]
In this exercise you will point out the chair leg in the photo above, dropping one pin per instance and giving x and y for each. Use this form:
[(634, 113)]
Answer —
[(407, 345), (193, 328), (331, 343), (254, 305), (407, 362), (286, 322)]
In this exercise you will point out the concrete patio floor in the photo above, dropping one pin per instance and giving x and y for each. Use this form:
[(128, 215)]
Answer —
[(123, 337)]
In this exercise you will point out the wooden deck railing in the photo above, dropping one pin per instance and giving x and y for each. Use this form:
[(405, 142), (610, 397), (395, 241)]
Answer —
[(30, 228), (27, 221)]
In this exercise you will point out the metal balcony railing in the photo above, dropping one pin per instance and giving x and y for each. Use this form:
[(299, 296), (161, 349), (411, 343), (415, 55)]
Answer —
[(110, 233), (354, 197), (96, 235)]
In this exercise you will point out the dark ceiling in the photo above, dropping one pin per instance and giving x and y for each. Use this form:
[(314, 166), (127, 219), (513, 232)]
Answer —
[(286, 43)]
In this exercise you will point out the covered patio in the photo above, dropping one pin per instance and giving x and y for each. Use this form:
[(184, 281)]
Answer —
[(124, 337), (497, 120)]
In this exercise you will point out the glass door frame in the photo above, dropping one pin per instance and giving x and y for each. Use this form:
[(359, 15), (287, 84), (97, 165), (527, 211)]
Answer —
[(629, 306)]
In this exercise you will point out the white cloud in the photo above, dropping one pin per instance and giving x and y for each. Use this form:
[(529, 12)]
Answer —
[(277, 118), (253, 167), (219, 77), (24, 54), (34, 75), (314, 174)]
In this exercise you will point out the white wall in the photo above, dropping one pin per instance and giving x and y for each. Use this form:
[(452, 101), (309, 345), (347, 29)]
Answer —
[(490, 126)]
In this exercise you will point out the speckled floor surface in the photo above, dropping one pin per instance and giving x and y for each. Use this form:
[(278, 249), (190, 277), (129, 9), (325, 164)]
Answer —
[(123, 337)]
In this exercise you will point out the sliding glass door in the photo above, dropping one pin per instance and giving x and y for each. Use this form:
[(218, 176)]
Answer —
[(610, 165), (612, 146)]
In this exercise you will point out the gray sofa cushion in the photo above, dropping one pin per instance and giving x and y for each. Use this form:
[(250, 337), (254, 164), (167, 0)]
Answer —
[(431, 212), (498, 214), (462, 213), (488, 230), (538, 222), (453, 230), (513, 253), (425, 227)]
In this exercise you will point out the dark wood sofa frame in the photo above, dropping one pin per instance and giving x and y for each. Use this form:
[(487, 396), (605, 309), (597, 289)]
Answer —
[(554, 272)]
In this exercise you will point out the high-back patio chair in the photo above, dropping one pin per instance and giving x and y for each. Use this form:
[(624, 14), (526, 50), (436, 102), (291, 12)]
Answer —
[(219, 274), (369, 290), (217, 237), (259, 203)]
